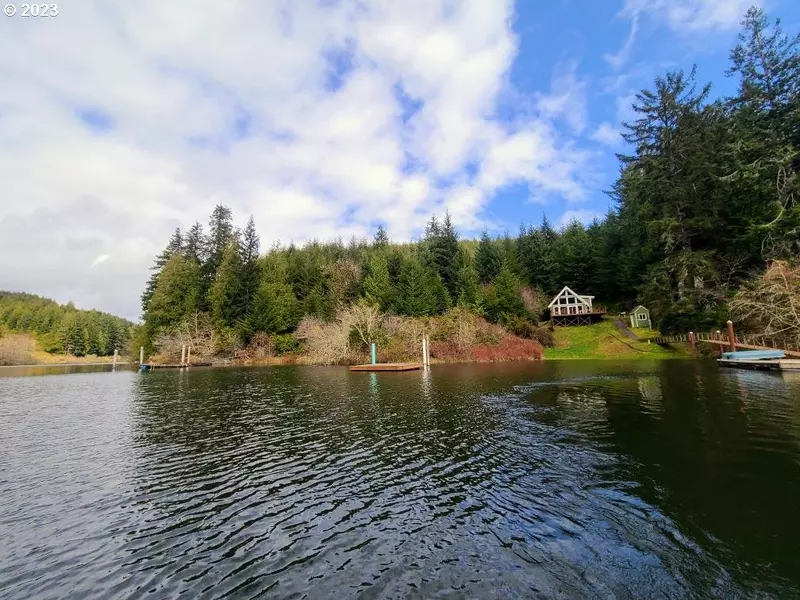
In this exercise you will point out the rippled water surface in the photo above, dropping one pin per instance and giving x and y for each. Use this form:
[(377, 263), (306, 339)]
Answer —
[(552, 480)]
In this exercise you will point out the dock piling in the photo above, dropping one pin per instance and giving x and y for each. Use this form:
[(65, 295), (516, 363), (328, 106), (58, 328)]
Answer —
[(141, 355), (374, 354), (731, 337)]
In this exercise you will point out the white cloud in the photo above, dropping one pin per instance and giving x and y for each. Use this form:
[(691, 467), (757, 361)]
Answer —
[(618, 60), (189, 104), (567, 97), (607, 134), (693, 15)]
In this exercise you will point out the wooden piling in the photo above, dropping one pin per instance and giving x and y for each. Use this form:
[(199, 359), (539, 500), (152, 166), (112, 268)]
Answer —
[(114, 361), (692, 341), (731, 337), (141, 355), (183, 355), (188, 355)]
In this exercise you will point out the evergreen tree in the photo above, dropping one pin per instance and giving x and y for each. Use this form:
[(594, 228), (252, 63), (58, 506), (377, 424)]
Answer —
[(547, 230), (177, 293), (225, 297), (394, 262), (220, 236), (576, 257), (487, 259), (275, 309), (440, 251), (250, 277), (441, 297), (194, 244), (504, 300), (541, 267), (767, 62), (381, 239), (173, 247), (315, 303), (416, 296), (377, 284), (467, 290), (766, 149)]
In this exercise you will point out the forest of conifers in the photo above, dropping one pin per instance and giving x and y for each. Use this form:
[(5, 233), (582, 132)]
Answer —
[(63, 328), (705, 200)]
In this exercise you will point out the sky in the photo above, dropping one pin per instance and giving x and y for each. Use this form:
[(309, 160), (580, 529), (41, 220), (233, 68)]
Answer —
[(120, 121)]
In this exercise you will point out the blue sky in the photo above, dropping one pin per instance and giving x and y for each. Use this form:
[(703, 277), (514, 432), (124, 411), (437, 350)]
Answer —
[(593, 36), (120, 121)]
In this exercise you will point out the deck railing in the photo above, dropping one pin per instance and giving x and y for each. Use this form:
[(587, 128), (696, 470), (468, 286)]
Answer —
[(752, 341)]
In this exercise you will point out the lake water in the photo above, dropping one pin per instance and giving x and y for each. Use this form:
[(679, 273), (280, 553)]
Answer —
[(551, 480)]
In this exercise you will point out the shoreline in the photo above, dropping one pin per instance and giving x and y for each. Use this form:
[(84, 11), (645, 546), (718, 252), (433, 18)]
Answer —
[(281, 363), (57, 364)]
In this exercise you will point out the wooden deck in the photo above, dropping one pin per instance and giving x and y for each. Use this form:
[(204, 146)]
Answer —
[(573, 320), (387, 367), (782, 364)]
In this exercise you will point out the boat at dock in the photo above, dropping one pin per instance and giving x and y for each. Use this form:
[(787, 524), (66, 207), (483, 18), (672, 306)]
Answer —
[(759, 360), (754, 355)]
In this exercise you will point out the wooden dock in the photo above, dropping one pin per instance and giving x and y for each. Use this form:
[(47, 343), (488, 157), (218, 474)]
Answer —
[(781, 364), (387, 367), (152, 366)]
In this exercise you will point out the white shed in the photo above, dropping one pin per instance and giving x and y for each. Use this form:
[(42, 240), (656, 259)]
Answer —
[(640, 317)]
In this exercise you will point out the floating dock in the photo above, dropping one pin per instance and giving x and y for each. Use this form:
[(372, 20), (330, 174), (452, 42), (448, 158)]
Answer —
[(389, 367), (784, 364), (151, 366)]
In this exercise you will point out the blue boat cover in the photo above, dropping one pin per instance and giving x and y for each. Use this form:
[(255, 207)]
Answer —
[(754, 355)]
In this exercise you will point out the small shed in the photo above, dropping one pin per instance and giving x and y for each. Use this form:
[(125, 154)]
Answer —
[(570, 308), (640, 317)]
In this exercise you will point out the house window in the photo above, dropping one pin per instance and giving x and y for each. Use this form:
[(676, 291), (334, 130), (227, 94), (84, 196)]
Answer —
[(642, 317)]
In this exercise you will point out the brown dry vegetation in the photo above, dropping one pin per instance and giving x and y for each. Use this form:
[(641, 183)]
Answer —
[(20, 349), (196, 332), (771, 303), (16, 349), (458, 335)]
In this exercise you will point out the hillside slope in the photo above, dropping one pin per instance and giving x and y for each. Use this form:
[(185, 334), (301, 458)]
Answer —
[(604, 340), (61, 328)]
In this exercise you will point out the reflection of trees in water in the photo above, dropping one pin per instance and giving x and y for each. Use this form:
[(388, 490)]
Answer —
[(722, 465), (713, 467), (222, 415), (650, 390)]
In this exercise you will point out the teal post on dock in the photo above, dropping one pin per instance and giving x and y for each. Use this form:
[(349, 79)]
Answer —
[(374, 354)]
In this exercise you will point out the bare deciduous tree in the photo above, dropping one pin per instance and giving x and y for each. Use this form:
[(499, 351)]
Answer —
[(772, 302)]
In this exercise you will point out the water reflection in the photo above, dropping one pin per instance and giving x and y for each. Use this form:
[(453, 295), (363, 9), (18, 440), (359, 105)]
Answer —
[(557, 479)]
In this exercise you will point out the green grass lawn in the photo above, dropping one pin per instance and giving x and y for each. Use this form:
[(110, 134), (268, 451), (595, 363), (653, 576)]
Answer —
[(604, 340)]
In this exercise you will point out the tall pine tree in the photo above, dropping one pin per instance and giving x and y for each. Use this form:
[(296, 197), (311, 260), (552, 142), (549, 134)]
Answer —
[(173, 247), (487, 259), (250, 273)]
